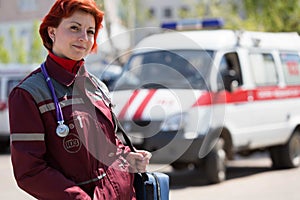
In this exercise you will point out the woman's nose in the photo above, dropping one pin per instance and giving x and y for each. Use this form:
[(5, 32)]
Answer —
[(83, 36)]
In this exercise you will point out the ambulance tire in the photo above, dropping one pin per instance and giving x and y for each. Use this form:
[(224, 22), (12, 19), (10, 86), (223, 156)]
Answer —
[(288, 155), (4, 145), (215, 163)]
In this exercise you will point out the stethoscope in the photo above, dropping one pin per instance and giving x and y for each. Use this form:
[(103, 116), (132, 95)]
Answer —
[(62, 130)]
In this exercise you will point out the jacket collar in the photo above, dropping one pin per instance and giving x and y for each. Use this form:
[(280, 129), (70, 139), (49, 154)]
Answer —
[(58, 73)]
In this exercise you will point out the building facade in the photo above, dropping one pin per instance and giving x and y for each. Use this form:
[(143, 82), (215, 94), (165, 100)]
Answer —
[(23, 10)]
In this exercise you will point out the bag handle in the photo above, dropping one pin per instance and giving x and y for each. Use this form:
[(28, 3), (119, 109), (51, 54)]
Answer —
[(127, 140)]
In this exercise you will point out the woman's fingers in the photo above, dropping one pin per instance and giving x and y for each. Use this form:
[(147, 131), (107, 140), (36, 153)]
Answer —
[(139, 160)]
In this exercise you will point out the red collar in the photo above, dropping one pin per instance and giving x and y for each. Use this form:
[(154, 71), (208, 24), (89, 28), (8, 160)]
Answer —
[(71, 66), (58, 73)]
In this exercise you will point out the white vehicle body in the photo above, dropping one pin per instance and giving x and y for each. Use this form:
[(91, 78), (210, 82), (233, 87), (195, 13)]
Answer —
[(10, 76), (250, 99)]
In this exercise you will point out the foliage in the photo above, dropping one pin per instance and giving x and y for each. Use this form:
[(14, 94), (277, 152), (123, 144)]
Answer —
[(4, 53), (18, 49), (21, 52), (256, 15), (274, 15), (35, 54), (18, 52)]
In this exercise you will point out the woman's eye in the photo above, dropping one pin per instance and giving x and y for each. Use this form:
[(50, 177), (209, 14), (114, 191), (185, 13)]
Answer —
[(91, 32), (75, 28)]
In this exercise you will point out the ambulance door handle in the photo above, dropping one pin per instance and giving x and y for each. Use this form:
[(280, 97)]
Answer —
[(250, 96)]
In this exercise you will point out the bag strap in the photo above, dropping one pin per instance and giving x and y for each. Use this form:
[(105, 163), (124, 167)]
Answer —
[(121, 129), (128, 141)]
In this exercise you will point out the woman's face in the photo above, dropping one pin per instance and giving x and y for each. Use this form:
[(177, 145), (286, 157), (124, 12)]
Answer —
[(74, 37)]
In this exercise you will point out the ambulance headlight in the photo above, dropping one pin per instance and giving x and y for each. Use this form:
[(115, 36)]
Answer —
[(175, 122)]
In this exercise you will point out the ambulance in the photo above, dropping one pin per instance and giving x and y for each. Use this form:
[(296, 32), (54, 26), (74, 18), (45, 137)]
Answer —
[(198, 98), (10, 76)]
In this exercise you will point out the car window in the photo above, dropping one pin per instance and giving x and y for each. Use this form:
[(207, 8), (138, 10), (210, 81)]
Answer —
[(178, 69), (291, 67), (263, 69)]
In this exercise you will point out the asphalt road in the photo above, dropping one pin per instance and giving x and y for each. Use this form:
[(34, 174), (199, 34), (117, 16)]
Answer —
[(248, 179)]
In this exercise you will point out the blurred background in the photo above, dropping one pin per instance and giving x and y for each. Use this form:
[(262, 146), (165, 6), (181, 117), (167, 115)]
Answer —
[(19, 22), (126, 22)]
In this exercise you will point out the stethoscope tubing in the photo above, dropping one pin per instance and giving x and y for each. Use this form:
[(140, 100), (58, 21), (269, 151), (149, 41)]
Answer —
[(62, 130), (58, 109)]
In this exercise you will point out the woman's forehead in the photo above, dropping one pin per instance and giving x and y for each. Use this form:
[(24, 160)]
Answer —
[(82, 18)]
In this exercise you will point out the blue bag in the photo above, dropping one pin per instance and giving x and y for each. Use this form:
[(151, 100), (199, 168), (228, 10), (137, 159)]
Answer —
[(148, 185), (151, 186)]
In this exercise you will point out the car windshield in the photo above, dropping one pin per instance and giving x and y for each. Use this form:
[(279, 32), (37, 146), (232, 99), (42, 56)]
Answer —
[(178, 69)]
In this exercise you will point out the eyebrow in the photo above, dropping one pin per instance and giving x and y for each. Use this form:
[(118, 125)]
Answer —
[(75, 22)]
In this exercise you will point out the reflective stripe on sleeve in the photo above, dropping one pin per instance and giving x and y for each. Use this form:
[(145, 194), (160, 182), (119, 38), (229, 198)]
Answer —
[(27, 137)]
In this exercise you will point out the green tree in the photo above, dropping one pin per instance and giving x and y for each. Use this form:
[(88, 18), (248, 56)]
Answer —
[(18, 49), (36, 51), (256, 15), (4, 53), (227, 10), (274, 15), (21, 52)]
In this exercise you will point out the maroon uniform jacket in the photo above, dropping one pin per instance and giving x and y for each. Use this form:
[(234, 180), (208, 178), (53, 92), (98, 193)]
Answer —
[(88, 163)]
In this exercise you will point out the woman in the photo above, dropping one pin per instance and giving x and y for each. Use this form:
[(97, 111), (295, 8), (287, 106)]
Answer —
[(69, 150)]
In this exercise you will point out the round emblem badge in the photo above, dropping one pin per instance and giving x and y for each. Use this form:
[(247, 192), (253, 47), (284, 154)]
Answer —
[(72, 143)]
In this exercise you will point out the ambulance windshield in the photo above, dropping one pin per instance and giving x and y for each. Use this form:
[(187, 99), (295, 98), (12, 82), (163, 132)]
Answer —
[(177, 69)]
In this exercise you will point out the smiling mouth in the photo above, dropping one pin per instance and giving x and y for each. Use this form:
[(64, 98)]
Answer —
[(79, 47)]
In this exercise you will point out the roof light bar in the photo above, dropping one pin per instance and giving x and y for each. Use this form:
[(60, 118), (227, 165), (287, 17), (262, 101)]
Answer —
[(188, 24)]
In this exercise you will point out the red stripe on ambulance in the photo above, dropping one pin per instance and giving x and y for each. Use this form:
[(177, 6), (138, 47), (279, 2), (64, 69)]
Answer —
[(125, 108), (141, 108)]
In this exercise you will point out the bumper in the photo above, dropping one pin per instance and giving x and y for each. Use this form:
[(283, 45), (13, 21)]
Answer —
[(168, 147)]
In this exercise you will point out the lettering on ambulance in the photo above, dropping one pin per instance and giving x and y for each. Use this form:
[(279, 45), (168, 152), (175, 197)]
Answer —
[(137, 101), (292, 67)]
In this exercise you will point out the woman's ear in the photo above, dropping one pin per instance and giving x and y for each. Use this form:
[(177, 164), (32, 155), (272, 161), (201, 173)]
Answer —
[(51, 33)]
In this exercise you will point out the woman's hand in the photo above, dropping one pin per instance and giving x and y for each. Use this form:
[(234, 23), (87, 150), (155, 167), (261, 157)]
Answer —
[(138, 160)]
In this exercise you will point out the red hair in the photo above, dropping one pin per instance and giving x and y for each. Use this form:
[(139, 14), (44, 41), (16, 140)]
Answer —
[(64, 9)]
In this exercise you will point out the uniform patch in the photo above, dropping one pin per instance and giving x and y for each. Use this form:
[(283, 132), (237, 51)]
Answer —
[(72, 143)]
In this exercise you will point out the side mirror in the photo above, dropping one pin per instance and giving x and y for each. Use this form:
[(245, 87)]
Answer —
[(230, 80)]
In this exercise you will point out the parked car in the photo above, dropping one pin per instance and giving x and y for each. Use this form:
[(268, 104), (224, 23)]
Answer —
[(10, 76), (200, 97)]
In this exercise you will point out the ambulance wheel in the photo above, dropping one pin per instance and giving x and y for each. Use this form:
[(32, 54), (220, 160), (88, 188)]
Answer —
[(288, 155), (4, 144), (215, 163)]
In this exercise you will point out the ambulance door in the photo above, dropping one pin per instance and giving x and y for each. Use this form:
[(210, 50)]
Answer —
[(254, 114), (240, 116)]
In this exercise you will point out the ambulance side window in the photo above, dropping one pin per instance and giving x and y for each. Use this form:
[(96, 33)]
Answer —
[(263, 69), (230, 71), (291, 68)]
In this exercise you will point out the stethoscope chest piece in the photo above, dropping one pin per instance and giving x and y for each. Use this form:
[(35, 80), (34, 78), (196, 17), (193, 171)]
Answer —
[(62, 130)]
